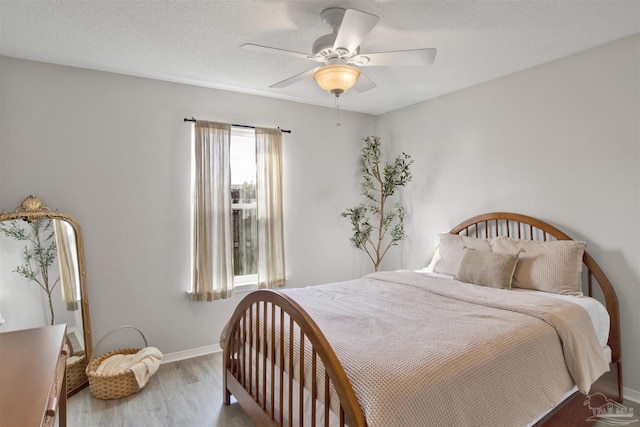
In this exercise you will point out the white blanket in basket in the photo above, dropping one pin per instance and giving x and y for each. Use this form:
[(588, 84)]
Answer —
[(143, 364)]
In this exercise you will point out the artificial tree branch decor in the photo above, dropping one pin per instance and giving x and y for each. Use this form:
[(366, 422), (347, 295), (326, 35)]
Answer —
[(39, 254), (371, 221)]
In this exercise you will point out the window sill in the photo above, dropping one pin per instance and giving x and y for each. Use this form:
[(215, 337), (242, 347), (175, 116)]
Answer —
[(244, 288)]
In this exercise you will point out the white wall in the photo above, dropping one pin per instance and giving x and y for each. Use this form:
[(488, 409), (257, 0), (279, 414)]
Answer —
[(560, 142), (114, 152)]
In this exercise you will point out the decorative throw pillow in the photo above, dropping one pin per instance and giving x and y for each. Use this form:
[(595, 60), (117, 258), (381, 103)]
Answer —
[(451, 249), (554, 267), (490, 269)]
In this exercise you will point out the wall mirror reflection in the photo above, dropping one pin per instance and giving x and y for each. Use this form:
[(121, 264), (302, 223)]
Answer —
[(43, 280)]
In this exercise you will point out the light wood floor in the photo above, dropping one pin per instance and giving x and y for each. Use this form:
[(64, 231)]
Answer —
[(187, 393)]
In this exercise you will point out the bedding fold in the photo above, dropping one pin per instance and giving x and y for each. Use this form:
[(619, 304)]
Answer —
[(583, 355)]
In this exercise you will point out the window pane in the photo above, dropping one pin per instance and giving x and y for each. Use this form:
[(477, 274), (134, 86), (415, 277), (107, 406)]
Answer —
[(243, 156), (243, 195)]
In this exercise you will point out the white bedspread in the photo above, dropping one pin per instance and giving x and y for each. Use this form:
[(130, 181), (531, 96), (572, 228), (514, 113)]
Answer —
[(430, 351)]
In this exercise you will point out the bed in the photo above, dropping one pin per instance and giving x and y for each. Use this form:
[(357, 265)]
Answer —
[(452, 344)]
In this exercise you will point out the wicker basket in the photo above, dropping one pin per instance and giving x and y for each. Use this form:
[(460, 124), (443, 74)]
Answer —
[(118, 385), (76, 375)]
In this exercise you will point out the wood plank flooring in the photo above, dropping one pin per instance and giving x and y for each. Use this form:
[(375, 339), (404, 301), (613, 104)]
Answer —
[(187, 393)]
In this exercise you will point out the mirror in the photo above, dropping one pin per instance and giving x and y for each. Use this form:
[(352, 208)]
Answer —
[(43, 279)]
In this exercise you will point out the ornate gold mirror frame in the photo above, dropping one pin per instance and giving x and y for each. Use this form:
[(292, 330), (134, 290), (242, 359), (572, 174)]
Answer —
[(33, 210)]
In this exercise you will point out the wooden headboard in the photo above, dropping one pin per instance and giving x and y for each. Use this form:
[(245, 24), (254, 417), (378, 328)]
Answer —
[(519, 226)]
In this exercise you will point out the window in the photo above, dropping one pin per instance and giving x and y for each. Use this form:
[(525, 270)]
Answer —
[(237, 221), (243, 204)]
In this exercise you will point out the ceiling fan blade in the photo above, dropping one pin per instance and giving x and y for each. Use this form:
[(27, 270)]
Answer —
[(354, 28), (397, 57), (363, 84), (294, 79), (268, 49)]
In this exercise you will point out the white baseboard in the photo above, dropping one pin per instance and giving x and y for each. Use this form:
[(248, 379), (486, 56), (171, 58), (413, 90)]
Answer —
[(632, 395), (188, 354)]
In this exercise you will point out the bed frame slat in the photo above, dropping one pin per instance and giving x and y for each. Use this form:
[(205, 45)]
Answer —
[(314, 387), (274, 359), (301, 382), (281, 404), (264, 355), (291, 345), (251, 347), (327, 399)]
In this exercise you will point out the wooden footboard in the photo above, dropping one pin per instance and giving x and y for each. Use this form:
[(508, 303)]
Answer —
[(266, 334)]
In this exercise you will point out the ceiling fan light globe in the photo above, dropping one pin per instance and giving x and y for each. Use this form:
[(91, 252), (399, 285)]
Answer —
[(336, 79)]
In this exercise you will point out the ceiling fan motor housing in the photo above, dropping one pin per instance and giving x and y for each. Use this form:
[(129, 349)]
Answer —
[(332, 16), (324, 45)]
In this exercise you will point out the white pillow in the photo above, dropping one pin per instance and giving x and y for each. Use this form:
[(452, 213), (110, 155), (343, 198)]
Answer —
[(554, 267), (451, 249)]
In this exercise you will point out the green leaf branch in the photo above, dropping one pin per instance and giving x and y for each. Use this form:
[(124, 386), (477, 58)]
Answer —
[(377, 226), (38, 254)]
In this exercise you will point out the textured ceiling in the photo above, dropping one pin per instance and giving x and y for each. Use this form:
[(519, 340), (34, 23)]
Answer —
[(197, 42)]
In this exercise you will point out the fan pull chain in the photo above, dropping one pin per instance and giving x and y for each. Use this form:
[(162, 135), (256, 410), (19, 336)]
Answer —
[(337, 103)]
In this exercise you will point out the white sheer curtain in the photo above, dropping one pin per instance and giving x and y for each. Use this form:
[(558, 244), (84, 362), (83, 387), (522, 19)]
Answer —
[(212, 240), (67, 263), (271, 268)]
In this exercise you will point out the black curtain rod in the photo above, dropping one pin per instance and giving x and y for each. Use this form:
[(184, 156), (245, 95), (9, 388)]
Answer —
[(238, 126)]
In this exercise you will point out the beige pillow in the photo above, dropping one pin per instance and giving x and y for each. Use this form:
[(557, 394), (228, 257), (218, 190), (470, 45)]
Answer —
[(451, 249), (545, 266), (490, 269)]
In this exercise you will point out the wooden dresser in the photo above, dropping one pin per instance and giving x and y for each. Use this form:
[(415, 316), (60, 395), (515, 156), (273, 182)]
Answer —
[(33, 386)]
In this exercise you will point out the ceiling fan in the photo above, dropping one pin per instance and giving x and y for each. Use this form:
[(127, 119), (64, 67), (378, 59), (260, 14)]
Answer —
[(339, 51)]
